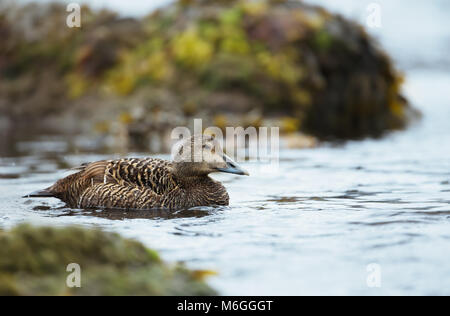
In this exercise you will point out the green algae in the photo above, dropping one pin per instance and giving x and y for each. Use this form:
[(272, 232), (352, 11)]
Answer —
[(33, 261)]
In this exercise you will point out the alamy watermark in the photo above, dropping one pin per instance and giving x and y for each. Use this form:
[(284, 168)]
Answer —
[(74, 278), (374, 275), (74, 17), (248, 144), (373, 19)]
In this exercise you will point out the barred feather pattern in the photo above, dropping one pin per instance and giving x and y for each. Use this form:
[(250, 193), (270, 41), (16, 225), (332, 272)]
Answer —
[(134, 183)]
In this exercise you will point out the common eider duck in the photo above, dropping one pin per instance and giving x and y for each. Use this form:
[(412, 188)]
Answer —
[(150, 183)]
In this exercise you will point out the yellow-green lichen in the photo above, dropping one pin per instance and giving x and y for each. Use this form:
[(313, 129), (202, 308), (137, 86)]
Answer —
[(190, 49)]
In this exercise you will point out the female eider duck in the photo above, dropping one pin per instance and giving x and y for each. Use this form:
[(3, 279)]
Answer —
[(148, 183)]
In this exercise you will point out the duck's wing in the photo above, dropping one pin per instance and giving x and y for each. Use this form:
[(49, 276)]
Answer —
[(116, 196), (129, 183), (149, 173), (151, 178)]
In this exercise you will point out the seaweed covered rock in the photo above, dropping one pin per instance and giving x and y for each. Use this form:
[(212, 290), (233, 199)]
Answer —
[(44, 64), (232, 63), (279, 57), (33, 261)]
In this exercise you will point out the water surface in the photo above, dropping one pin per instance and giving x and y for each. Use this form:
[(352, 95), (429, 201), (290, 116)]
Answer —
[(311, 227)]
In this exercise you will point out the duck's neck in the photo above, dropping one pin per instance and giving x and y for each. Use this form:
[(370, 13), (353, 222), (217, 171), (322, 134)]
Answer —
[(188, 170), (190, 181)]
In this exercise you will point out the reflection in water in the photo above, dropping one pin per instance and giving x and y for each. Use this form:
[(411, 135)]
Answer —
[(9, 176), (115, 214), (284, 199)]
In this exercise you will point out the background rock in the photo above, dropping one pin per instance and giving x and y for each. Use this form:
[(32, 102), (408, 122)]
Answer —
[(216, 60)]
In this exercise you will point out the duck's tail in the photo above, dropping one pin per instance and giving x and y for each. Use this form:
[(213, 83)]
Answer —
[(40, 193)]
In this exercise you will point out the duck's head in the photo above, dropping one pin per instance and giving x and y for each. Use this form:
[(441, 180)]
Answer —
[(202, 155)]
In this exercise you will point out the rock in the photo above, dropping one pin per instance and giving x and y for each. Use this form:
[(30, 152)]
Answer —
[(285, 58), (199, 59), (33, 261)]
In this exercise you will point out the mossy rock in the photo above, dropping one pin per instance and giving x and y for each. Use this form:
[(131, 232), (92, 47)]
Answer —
[(33, 261), (281, 58), (287, 57)]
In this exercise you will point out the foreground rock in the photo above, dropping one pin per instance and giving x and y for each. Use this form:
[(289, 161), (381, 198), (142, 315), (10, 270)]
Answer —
[(33, 261)]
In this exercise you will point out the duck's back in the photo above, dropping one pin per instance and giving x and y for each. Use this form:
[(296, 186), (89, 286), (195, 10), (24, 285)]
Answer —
[(151, 173), (120, 183)]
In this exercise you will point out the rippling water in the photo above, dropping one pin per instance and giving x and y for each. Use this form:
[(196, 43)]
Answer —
[(311, 227)]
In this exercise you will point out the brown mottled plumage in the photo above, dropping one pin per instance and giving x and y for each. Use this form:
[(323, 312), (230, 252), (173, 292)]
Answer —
[(132, 183)]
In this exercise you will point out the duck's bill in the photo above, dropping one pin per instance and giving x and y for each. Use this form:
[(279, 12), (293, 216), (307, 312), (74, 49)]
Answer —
[(233, 167)]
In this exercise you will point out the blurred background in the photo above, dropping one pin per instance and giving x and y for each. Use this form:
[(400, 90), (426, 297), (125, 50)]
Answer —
[(130, 74), (362, 109)]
